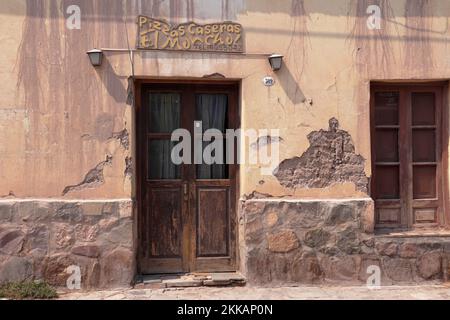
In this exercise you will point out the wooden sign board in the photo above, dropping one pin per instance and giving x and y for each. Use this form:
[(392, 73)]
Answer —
[(216, 37)]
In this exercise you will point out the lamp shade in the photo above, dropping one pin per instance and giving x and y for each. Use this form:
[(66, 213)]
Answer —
[(96, 57), (276, 61)]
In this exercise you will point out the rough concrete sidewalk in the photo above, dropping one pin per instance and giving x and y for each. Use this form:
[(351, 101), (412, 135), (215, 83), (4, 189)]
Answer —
[(434, 292)]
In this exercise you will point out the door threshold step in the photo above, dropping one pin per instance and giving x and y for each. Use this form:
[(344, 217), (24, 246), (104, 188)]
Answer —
[(190, 280)]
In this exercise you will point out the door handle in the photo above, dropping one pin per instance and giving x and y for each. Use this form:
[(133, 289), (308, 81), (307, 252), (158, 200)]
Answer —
[(186, 191)]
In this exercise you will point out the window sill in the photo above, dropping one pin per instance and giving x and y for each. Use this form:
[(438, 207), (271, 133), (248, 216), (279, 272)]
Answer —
[(417, 233)]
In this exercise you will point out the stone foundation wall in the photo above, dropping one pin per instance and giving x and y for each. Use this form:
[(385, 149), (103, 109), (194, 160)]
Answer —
[(327, 242), (283, 242), (41, 239)]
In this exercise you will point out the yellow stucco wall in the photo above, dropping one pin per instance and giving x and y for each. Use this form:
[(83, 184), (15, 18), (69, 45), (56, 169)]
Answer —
[(58, 115)]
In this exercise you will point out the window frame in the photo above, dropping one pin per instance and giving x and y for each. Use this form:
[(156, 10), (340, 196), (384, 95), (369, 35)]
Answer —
[(405, 90)]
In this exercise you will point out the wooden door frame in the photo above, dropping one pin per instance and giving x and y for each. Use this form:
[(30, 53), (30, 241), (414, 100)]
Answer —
[(443, 141), (139, 83)]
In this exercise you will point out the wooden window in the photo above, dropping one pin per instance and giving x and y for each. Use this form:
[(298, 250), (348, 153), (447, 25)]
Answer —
[(407, 155)]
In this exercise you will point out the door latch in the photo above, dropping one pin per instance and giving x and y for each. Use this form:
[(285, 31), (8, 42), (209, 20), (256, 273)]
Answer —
[(186, 191)]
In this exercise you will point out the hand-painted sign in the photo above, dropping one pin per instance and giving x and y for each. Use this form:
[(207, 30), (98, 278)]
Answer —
[(216, 37)]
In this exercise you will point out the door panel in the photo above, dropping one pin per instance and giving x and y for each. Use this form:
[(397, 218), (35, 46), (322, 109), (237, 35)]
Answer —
[(215, 225), (162, 230), (213, 222), (166, 217), (187, 218)]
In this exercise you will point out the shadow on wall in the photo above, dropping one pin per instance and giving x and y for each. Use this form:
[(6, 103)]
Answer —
[(115, 84), (290, 86)]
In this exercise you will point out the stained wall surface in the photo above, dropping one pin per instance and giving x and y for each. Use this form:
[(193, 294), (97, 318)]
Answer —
[(60, 118), (67, 131)]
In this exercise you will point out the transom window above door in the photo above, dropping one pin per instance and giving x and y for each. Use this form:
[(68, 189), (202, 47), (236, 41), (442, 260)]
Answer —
[(407, 155)]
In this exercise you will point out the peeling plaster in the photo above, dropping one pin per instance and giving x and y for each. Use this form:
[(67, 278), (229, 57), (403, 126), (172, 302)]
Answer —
[(93, 178), (329, 160), (10, 195), (124, 138), (265, 141), (128, 166)]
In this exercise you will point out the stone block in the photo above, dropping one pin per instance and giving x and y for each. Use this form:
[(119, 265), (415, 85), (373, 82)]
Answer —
[(126, 209), (91, 251), (343, 268), (408, 250), (38, 238), (254, 207), (11, 241), (117, 268), (306, 269), (34, 211), (6, 211), (397, 269), (69, 213), (183, 283), (55, 269), (61, 236), (367, 217), (430, 265), (341, 214), (122, 235), (271, 219), (283, 241), (348, 242), (111, 208), (317, 238), (16, 269), (389, 249), (92, 208), (105, 225), (86, 233), (306, 215)]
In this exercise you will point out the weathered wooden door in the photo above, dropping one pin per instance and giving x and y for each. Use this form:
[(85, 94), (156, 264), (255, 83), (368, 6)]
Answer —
[(187, 211)]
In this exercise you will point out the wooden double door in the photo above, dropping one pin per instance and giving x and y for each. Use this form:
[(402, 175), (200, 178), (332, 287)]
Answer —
[(188, 210)]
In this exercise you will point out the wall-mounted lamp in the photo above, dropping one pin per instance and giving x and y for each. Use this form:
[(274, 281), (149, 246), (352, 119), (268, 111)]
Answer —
[(276, 61), (96, 57)]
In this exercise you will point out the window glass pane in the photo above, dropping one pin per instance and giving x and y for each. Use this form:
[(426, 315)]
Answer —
[(210, 172), (424, 145), (160, 165), (164, 112), (424, 184), (387, 182), (423, 108), (211, 110), (386, 145), (386, 108)]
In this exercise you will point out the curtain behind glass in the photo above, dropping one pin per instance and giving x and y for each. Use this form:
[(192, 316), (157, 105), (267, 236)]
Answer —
[(164, 112), (160, 166), (211, 109), (164, 118)]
